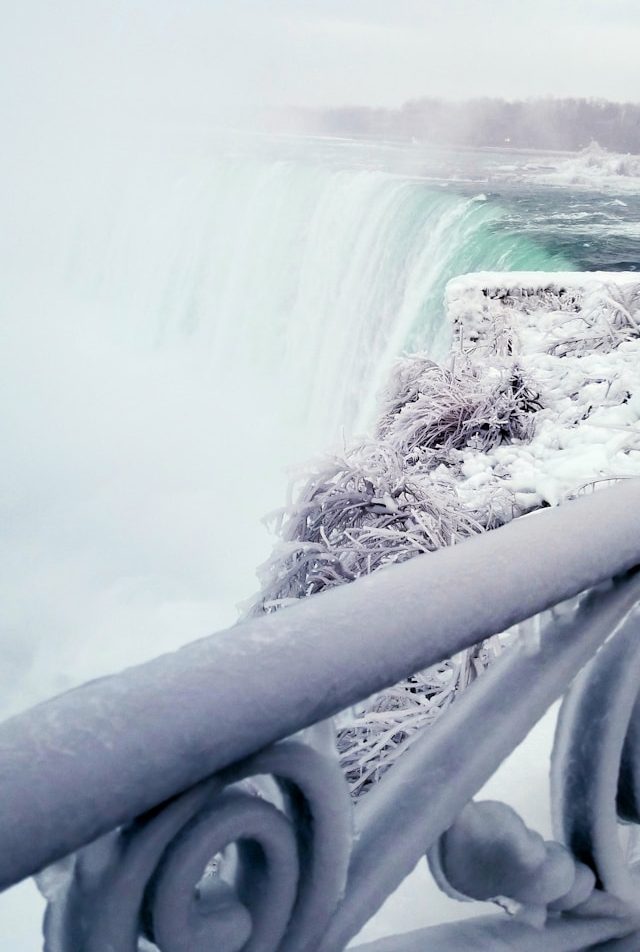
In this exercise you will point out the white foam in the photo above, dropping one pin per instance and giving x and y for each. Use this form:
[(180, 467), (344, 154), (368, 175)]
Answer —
[(592, 168)]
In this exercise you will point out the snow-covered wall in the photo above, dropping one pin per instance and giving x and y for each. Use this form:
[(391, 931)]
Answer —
[(576, 339), (472, 299)]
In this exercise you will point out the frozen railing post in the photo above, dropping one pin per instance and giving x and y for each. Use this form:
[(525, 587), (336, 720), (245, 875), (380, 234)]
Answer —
[(143, 778)]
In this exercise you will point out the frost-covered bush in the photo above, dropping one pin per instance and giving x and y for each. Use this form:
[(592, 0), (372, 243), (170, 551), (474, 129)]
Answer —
[(387, 500), (373, 736), (429, 407), (356, 513), (610, 315), (460, 449), (352, 515), (537, 401)]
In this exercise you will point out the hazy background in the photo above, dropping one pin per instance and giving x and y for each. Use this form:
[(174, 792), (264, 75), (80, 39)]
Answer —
[(196, 59)]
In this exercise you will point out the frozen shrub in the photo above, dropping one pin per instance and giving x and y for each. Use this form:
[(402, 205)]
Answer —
[(387, 500), (453, 409), (610, 315), (373, 736), (353, 515)]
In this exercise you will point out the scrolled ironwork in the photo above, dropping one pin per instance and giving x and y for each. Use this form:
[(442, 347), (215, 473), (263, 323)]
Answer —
[(286, 812), (193, 823)]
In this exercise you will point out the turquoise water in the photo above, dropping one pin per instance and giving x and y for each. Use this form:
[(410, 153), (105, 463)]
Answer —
[(308, 267), (597, 231)]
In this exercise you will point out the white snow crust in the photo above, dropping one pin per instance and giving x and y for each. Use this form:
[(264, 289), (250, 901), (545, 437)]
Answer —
[(576, 337)]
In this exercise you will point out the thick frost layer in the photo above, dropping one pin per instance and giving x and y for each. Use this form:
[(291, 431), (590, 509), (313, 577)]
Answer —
[(575, 336)]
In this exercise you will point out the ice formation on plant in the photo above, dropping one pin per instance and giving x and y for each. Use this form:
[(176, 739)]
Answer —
[(537, 400)]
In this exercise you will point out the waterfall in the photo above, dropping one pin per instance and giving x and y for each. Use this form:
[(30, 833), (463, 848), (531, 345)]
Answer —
[(291, 273), (179, 327)]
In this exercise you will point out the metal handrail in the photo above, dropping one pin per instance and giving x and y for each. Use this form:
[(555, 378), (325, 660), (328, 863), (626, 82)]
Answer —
[(88, 761)]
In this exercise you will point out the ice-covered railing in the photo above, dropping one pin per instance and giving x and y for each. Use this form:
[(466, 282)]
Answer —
[(189, 804)]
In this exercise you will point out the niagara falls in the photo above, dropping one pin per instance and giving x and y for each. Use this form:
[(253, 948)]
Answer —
[(320, 372)]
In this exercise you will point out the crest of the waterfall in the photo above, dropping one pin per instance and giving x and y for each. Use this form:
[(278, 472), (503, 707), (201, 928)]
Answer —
[(294, 283)]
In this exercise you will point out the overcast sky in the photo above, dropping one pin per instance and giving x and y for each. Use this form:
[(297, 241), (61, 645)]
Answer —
[(200, 55)]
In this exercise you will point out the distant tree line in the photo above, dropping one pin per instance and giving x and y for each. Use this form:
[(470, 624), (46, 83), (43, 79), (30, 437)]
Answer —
[(531, 124)]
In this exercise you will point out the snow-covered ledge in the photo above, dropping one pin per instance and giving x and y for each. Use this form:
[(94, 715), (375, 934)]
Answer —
[(125, 794), (575, 339), (467, 297)]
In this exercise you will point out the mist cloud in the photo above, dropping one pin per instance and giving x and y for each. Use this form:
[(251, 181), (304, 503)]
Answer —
[(210, 61)]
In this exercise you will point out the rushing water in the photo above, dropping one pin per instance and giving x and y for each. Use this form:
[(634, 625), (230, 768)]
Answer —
[(287, 270)]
